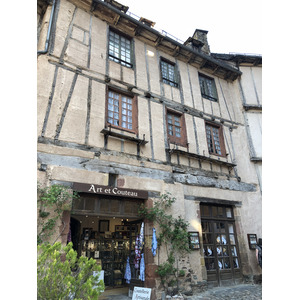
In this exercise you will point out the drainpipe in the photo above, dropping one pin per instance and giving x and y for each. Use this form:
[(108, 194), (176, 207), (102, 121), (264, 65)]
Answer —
[(49, 31)]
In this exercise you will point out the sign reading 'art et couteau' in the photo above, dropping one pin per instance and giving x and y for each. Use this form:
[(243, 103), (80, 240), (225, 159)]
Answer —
[(109, 191)]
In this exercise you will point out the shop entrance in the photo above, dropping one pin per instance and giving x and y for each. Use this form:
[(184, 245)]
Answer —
[(220, 246), (106, 229)]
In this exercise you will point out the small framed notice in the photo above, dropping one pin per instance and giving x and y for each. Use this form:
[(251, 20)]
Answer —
[(252, 241), (194, 240), (140, 293)]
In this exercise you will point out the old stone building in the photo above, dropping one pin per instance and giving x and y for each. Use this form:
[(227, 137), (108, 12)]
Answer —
[(127, 113)]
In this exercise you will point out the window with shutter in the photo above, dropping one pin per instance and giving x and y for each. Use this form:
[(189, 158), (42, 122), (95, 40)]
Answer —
[(176, 128), (121, 111), (215, 139)]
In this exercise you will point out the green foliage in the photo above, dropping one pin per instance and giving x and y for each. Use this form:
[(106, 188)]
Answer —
[(71, 278), (55, 197), (172, 233)]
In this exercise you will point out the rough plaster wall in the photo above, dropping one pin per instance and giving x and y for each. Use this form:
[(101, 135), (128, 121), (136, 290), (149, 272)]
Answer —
[(65, 15), (153, 70), (257, 81), (255, 128), (98, 45), (245, 168), (158, 134), (73, 129), (185, 84), (141, 65), (97, 116), (248, 86), (144, 126), (46, 73), (62, 89)]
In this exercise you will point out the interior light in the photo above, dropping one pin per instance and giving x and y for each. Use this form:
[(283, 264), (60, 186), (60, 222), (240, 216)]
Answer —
[(150, 53)]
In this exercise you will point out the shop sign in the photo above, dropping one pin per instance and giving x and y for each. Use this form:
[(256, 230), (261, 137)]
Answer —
[(109, 191), (141, 293)]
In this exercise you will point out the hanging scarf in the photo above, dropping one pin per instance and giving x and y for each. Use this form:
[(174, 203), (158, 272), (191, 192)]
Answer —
[(142, 268), (137, 252), (142, 237), (127, 275), (154, 243)]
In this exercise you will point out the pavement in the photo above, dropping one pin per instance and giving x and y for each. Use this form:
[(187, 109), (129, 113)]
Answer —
[(238, 292)]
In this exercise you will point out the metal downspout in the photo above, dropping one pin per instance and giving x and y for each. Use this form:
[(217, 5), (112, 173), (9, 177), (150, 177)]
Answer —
[(49, 31)]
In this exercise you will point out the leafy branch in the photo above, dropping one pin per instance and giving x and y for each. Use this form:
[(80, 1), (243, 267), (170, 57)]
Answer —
[(172, 234), (53, 200)]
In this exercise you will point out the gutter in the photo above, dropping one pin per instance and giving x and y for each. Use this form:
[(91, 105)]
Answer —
[(49, 31), (202, 55)]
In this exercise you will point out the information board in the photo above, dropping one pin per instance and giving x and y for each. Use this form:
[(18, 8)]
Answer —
[(140, 293)]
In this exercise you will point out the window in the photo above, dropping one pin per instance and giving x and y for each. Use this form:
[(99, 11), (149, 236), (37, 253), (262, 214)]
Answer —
[(215, 140), (176, 128), (168, 73), (208, 88), (121, 111), (120, 49)]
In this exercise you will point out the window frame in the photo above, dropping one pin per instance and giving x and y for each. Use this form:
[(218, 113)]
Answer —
[(174, 82), (220, 136), (118, 58), (204, 79), (134, 110), (182, 140)]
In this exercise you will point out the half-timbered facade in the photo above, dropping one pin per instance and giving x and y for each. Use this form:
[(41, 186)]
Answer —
[(126, 114)]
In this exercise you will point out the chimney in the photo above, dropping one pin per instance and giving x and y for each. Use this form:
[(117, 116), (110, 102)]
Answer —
[(199, 41)]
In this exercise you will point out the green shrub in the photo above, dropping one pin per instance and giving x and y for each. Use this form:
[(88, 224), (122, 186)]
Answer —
[(61, 275)]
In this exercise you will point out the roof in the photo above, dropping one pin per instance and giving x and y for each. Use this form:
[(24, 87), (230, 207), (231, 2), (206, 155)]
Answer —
[(117, 18)]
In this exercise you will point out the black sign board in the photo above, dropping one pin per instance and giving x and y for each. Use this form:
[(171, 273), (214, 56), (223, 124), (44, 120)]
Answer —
[(109, 191)]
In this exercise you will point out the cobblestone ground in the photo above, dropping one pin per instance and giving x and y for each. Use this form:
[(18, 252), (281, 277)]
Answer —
[(238, 292)]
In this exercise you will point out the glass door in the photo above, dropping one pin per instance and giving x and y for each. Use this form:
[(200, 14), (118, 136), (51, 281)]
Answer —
[(220, 247)]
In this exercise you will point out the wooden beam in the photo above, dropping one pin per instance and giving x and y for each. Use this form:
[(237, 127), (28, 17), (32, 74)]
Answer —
[(116, 19)]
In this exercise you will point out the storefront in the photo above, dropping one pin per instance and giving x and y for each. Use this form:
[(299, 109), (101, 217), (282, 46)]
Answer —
[(106, 226)]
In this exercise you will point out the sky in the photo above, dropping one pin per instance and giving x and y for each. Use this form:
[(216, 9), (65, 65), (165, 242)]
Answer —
[(232, 25)]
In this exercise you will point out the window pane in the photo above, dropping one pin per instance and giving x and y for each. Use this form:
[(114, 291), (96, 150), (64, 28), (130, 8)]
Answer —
[(235, 263), (208, 251), (204, 209), (233, 251), (232, 239), (226, 263), (228, 213), (210, 264)]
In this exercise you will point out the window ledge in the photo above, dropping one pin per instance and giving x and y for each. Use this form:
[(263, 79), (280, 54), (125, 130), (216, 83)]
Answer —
[(201, 157), (108, 132), (258, 159), (252, 107)]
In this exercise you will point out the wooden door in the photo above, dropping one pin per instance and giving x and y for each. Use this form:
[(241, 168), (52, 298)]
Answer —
[(220, 246)]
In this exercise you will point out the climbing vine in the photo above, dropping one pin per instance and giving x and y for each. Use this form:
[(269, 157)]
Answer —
[(52, 201), (173, 235)]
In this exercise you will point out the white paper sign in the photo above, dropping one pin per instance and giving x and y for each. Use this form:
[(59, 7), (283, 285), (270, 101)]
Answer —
[(140, 293)]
